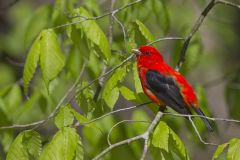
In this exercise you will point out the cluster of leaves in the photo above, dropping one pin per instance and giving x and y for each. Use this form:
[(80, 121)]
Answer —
[(58, 53)]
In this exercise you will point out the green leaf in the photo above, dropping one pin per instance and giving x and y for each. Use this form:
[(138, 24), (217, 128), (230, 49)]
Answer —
[(219, 150), (111, 91), (81, 119), (161, 136), (63, 146), (177, 145), (166, 139), (27, 146), (145, 32), (127, 93), (46, 47), (233, 150), (94, 33), (64, 117), (137, 82), (79, 151), (84, 99), (31, 64), (51, 57)]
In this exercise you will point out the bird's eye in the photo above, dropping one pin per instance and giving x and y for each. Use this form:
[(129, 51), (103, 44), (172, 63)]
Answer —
[(146, 52)]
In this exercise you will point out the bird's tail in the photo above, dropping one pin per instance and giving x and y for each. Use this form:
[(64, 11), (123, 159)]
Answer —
[(205, 120)]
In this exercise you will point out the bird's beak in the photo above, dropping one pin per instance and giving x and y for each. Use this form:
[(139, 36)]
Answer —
[(136, 52)]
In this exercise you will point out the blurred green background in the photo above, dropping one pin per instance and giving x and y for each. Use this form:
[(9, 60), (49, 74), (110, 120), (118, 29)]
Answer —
[(212, 66)]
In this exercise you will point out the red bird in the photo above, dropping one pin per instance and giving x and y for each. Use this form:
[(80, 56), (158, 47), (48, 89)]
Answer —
[(164, 85)]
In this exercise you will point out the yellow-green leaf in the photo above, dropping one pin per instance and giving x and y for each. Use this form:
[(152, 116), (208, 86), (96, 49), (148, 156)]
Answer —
[(31, 64), (219, 150), (26, 146), (51, 57), (111, 91), (64, 117), (161, 136), (62, 147), (233, 150), (94, 33), (127, 93), (144, 30)]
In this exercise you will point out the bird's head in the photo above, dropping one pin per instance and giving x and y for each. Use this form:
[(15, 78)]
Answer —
[(148, 53)]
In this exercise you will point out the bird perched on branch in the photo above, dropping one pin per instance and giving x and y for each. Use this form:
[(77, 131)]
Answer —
[(164, 85)]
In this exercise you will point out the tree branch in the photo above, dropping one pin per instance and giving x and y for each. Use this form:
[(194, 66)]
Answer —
[(144, 136), (110, 113), (193, 31)]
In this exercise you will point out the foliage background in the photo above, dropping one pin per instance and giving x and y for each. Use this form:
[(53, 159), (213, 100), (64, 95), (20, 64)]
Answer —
[(211, 66)]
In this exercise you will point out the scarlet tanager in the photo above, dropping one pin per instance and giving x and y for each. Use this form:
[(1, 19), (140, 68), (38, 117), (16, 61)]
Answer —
[(164, 85)]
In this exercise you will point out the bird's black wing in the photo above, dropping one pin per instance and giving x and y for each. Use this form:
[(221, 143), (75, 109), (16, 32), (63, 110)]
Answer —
[(166, 89)]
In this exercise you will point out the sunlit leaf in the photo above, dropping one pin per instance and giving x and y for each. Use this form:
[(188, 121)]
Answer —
[(63, 146), (165, 138), (46, 47), (219, 150), (79, 155), (94, 33), (161, 136), (81, 119), (233, 150), (26, 146), (51, 57), (64, 117), (111, 91), (137, 82), (177, 146), (145, 32), (31, 63), (127, 93), (84, 99)]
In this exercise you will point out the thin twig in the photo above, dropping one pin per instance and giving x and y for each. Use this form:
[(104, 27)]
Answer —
[(209, 118), (165, 38), (228, 3), (123, 30), (110, 113), (117, 124), (127, 141), (110, 28), (198, 134)]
